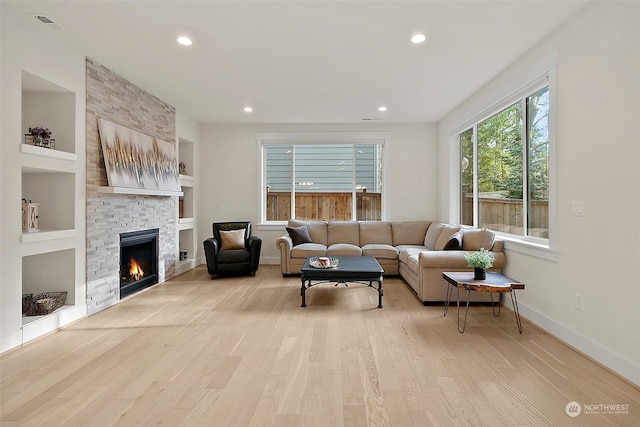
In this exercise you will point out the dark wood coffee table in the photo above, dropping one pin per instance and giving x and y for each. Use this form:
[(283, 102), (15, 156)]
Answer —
[(351, 269), (494, 283)]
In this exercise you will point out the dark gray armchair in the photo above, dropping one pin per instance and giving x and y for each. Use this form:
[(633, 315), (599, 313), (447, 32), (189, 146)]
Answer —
[(240, 259)]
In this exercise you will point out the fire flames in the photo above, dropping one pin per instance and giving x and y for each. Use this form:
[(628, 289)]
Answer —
[(135, 271)]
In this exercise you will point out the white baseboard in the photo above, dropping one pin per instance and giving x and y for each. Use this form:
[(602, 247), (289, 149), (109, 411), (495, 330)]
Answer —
[(183, 266), (11, 341), (596, 351), (52, 322)]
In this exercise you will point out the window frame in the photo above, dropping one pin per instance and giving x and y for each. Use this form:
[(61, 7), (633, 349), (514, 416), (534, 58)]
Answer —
[(535, 77), (308, 138)]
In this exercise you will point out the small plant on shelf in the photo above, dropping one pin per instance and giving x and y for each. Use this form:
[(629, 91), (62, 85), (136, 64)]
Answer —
[(182, 168), (40, 136), (40, 132)]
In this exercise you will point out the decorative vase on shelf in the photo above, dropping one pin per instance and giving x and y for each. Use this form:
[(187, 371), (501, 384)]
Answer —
[(479, 273), (30, 216)]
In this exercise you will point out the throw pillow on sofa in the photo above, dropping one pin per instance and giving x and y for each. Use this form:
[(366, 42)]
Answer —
[(299, 235), (445, 235), (454, 243), (433, 232), (473, 239)]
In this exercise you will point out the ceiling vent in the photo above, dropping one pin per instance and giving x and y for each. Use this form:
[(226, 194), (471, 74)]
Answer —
[(49, 22), (371, 118)]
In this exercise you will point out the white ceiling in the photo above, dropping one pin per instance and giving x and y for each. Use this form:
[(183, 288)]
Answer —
[(302, 61)]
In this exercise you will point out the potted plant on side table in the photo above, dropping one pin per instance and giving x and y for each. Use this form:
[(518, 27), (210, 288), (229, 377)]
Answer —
[(480, 261)]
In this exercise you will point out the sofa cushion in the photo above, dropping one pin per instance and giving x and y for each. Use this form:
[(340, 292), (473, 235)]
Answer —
[(409, 232), (433, 232), (379, 250), (375, 232), (473, 239), (232, 256), (343, 232), (405, 252), (413, 262), (317, 229), (454, 243), (308, 249), (232, 239), (299, 235), (344, 249)]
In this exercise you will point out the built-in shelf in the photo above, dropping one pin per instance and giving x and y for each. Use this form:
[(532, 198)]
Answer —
[(51, 259), (185, 265), (40, 160), (26, 320), (138, 191), (44, 235), (47, 152), (36, 326), (186, 223), (186, 181), (187, 232)]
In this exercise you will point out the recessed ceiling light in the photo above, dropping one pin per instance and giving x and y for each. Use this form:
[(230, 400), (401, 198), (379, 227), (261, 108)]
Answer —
[(382, 108), (418, 38), (184, 41), (248, 109)]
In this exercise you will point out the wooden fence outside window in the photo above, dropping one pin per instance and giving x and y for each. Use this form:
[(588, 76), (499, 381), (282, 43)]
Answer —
[(327, 206)]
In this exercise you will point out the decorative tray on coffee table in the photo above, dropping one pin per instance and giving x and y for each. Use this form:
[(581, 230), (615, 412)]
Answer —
[(318, 262)]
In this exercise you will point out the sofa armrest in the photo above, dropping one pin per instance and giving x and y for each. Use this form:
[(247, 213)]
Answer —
[(285, 244)]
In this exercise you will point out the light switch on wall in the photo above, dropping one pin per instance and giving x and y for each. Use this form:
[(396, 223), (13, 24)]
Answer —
[(577, 208)]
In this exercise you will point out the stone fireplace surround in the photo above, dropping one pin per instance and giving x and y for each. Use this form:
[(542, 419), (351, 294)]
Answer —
[(114, 98)]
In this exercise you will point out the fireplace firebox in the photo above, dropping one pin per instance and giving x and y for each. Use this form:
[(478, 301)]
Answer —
[(138, 260)]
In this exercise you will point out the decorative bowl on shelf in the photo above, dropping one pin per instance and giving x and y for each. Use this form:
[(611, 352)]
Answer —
[(324, 262), (42, 304)]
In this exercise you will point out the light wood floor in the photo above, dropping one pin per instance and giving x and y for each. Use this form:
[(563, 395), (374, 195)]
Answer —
[(242, 352)]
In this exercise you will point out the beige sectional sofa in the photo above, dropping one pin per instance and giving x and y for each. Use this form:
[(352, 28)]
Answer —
[(419, 251)]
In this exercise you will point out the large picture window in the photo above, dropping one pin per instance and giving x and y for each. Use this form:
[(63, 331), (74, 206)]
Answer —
[(322, 181), (504, 168)]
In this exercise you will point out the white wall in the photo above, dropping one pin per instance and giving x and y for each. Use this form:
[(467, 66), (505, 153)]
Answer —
[(598, 158), (27, 45), (228, 175), (187, 128)]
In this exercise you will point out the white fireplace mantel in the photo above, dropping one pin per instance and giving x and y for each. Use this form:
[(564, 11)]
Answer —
[(139, 191)]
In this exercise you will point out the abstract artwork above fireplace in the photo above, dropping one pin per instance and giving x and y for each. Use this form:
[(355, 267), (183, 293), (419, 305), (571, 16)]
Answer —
[(135, 160)]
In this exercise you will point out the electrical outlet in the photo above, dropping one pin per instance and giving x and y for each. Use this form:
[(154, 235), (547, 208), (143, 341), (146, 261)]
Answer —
[(579, 302), (577, 208)]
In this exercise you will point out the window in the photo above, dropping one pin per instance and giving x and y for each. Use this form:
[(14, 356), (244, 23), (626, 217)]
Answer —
[(318, 180), (504, 168)]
